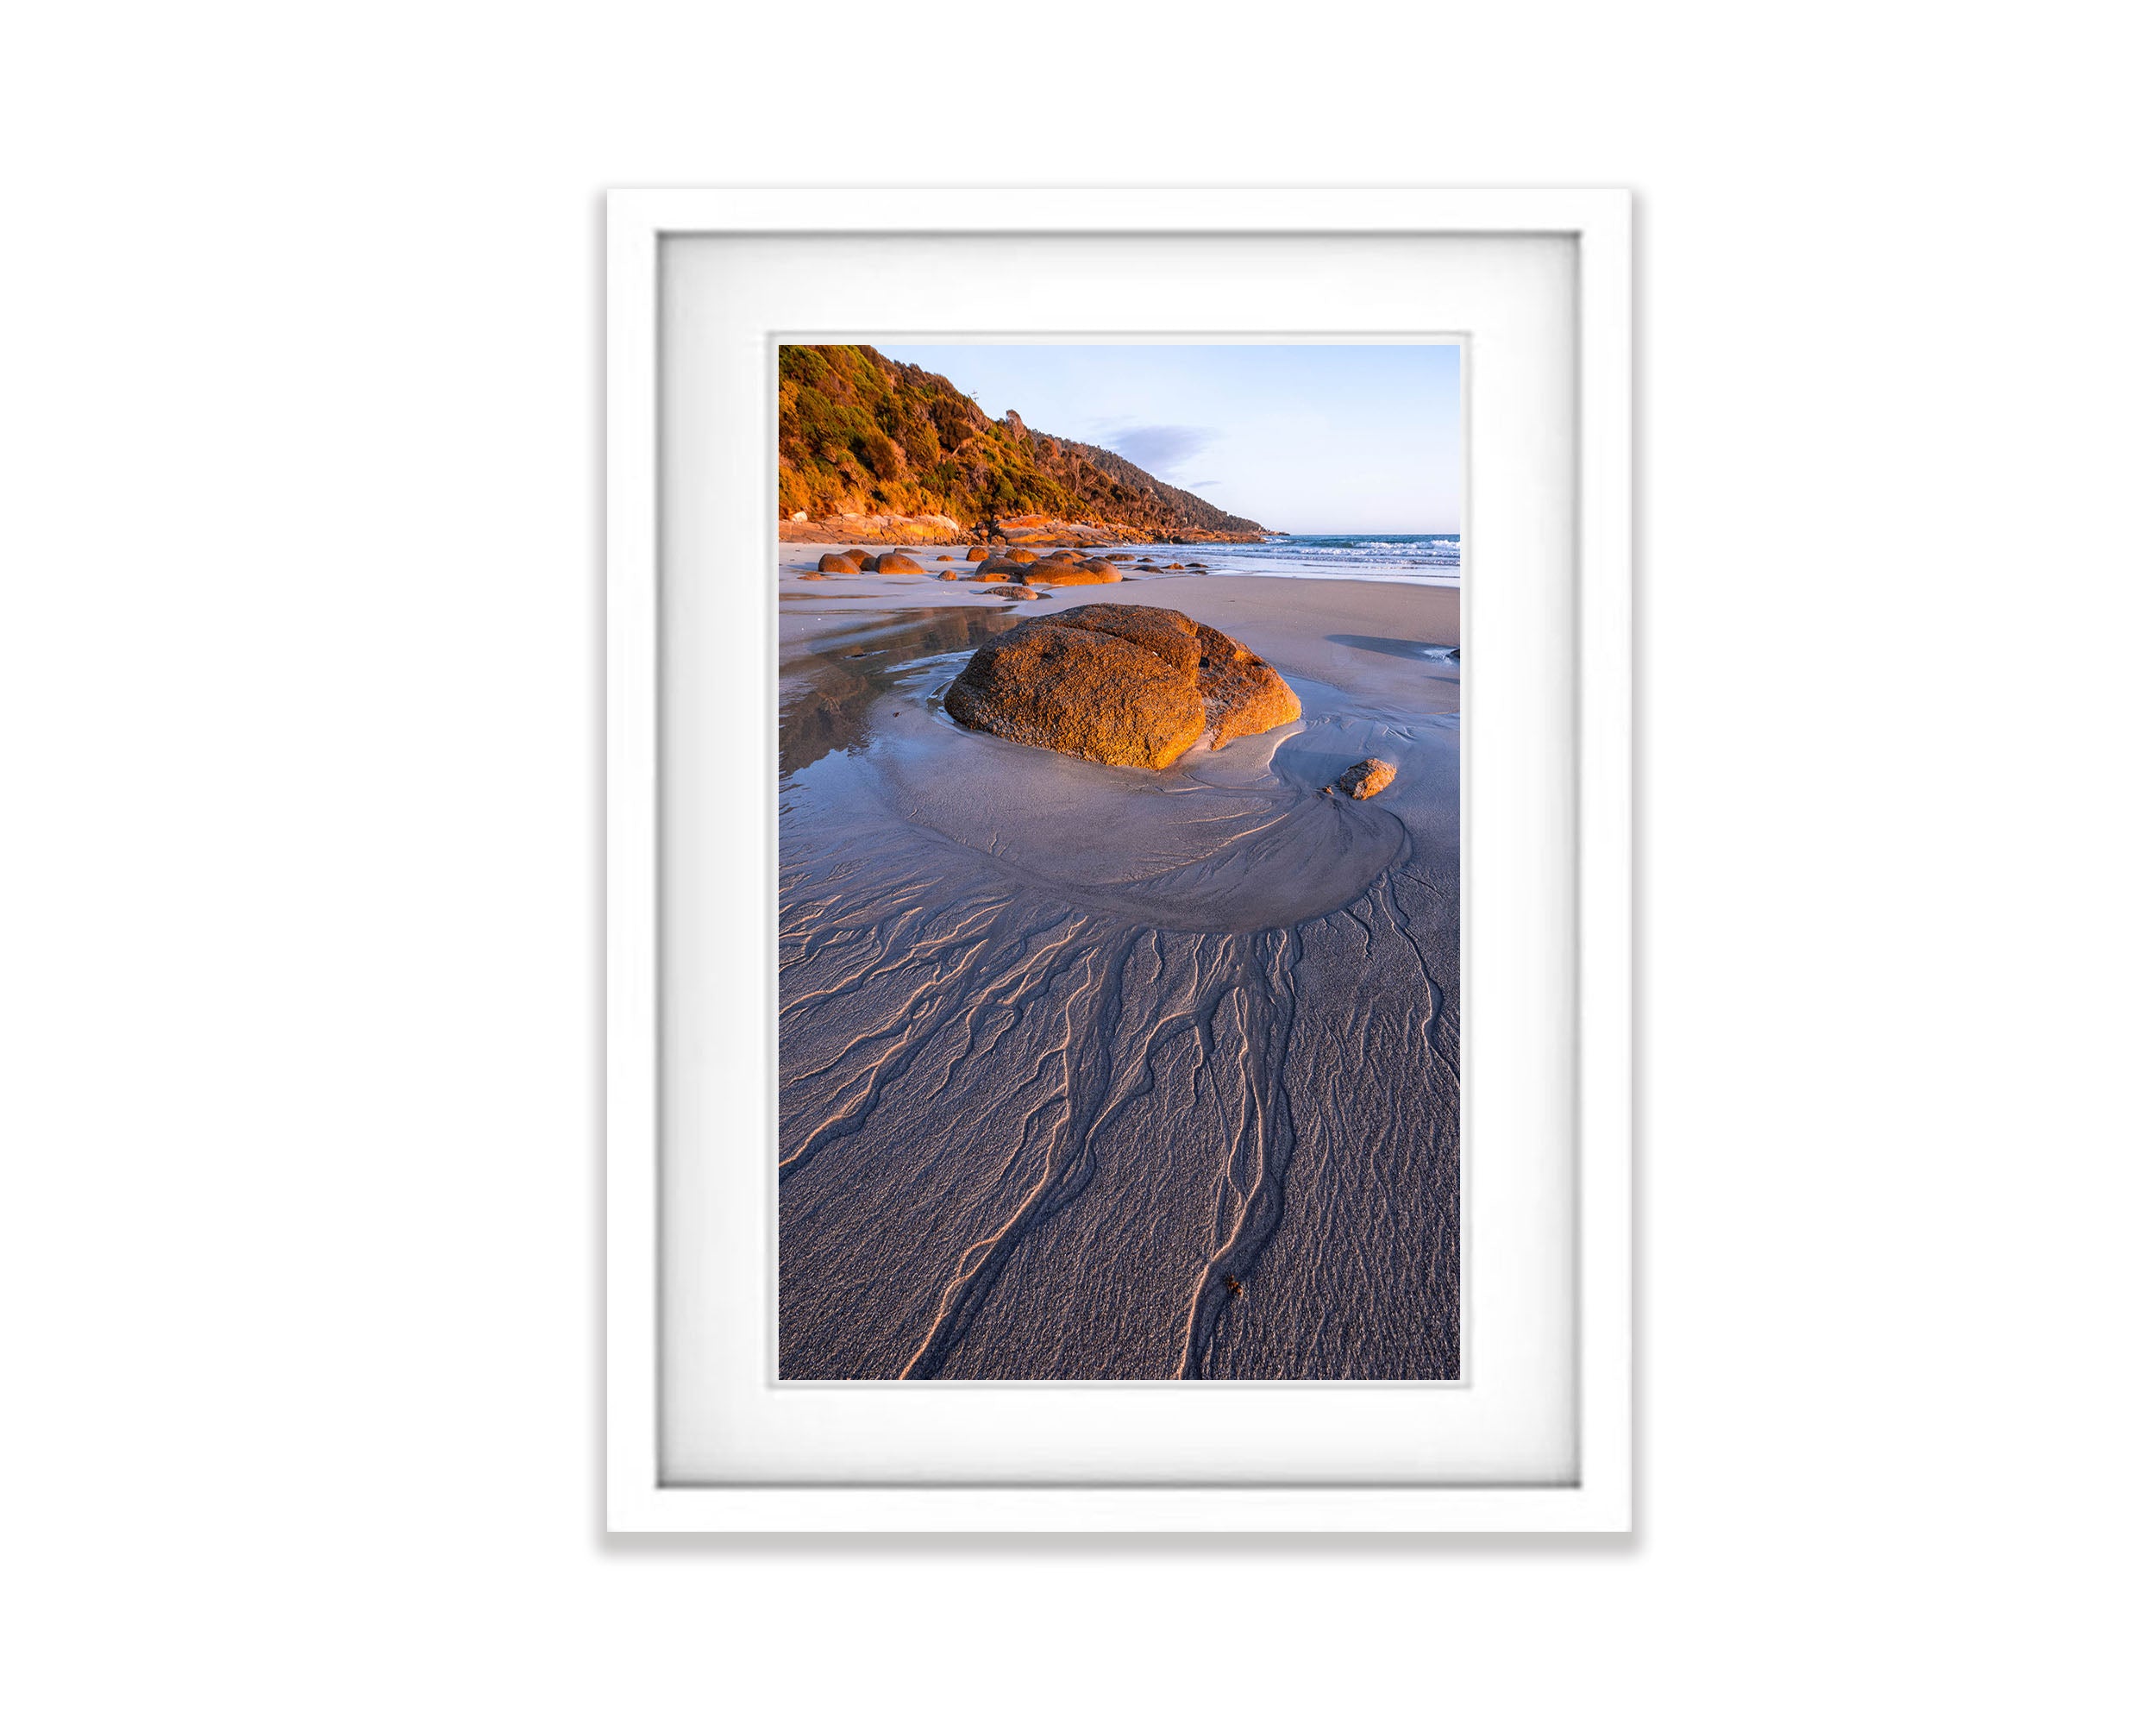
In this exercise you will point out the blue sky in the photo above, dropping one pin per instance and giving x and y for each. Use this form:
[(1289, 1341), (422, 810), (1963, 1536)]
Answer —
[(1311, 438)]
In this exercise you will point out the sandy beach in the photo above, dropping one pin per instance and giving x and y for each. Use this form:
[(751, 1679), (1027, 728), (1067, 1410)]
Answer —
[(1098, 1072)]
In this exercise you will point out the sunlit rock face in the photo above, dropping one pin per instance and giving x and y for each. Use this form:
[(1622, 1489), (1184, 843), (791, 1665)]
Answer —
[(1128, 686), (1365, 778)]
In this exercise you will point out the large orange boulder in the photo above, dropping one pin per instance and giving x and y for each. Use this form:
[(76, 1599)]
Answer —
[(839, 563), (895, 563), (1062, 572), (1129, 685)]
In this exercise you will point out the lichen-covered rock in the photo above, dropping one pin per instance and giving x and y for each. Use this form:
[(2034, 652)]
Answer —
[(896, 563), (1129, 685), (838, 563), (1365, 778)]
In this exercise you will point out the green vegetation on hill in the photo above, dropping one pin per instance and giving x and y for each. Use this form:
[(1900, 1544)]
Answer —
[(862, 434)]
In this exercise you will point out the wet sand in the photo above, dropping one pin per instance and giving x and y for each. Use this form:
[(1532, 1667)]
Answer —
[(1091, 1072)]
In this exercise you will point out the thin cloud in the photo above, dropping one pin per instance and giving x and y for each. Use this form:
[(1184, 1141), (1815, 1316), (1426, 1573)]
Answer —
[(1160, 449)]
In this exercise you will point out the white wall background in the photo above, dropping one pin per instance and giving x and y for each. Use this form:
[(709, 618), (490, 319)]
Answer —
[(299, 373)]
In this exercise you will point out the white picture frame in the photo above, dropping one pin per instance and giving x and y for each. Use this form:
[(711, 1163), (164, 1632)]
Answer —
[(1598, 1496)]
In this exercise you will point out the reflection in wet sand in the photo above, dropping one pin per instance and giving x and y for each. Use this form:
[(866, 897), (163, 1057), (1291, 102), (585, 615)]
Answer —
[(824, 695)]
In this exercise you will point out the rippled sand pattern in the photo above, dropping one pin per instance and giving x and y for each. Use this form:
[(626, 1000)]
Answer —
[(1089, 1072)]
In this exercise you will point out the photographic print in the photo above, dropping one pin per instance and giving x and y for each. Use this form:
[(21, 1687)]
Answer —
[(1120, 860)]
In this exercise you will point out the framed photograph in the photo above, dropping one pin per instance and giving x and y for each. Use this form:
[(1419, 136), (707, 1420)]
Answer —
[(1119, 835)]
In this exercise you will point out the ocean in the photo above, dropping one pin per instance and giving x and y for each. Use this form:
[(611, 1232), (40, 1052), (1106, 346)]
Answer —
[(1417, 559)]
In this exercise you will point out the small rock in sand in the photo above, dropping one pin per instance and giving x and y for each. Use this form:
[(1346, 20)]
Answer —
[(1011, 590), (1364, 779), (975, 553)]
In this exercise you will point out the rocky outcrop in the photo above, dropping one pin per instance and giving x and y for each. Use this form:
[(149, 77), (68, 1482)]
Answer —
[(1043, 529), (1127, 685), (1365, 778), (893, 530)]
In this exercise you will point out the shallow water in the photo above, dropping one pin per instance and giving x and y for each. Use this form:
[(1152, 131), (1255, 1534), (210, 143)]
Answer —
[(1094, 1072)]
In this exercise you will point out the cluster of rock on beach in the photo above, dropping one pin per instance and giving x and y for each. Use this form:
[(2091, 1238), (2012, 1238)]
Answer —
[(1011, 572)]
